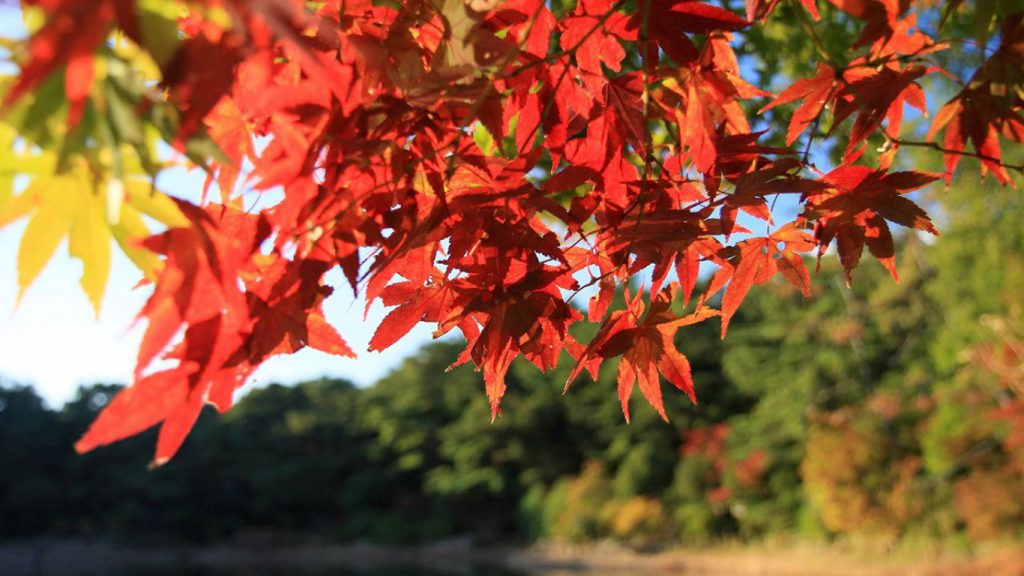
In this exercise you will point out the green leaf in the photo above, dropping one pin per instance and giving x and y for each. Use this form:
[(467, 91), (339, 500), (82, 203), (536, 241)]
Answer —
[(484, 140), (159, 22), (122, 115)]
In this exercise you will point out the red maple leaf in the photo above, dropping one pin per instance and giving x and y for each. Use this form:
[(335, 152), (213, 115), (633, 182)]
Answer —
[(647, 348), (594, 32), (855, 210), (816, 94), (991, 105), (668, 22), (756, 261)]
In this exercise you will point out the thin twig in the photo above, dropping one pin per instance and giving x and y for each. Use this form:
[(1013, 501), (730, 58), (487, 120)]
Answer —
[(936, 146)]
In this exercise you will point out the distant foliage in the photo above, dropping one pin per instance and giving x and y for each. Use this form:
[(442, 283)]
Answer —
[(860, 474)]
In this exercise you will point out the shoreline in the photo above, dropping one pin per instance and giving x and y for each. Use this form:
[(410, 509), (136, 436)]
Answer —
[(67, 557)]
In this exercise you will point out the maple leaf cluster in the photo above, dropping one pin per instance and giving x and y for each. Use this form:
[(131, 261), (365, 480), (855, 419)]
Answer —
[(476, 164)]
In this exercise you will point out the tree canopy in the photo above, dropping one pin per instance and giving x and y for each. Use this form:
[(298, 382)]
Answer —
[(477, 165)]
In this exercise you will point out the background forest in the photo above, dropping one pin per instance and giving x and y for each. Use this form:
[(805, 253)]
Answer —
[(889, 410)]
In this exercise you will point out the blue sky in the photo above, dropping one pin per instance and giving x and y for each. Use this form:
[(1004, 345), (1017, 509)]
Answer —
[(53, 340)]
